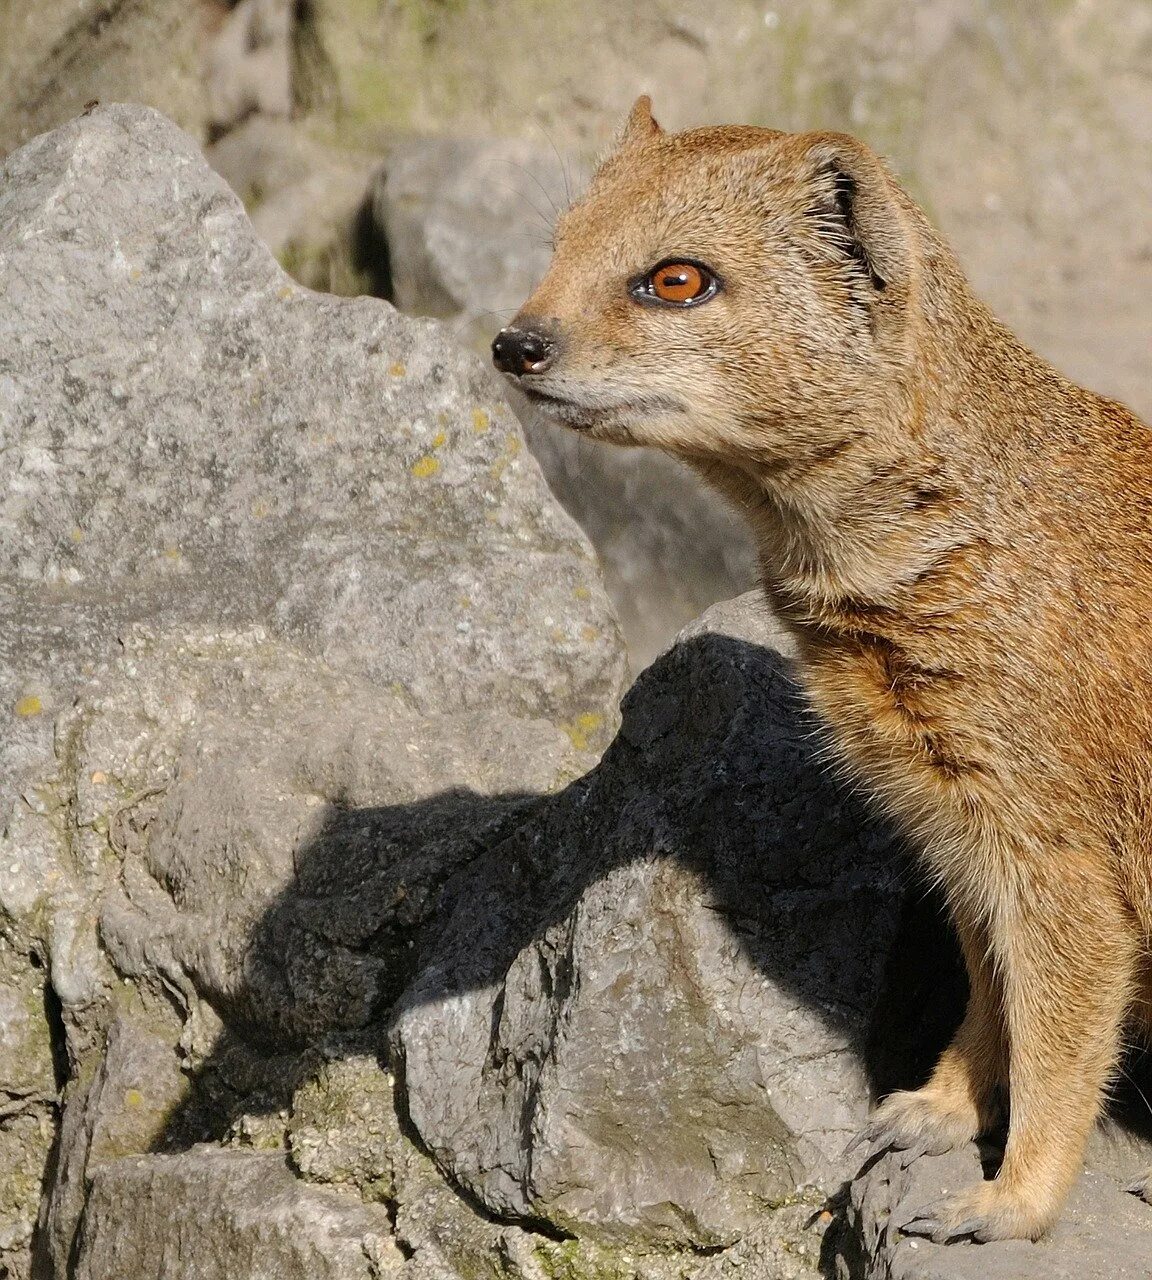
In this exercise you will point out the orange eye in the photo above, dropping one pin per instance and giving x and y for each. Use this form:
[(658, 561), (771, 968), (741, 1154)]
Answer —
[(677, 284)]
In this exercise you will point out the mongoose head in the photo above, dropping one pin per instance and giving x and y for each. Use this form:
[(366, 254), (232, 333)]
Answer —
[(723, 292)]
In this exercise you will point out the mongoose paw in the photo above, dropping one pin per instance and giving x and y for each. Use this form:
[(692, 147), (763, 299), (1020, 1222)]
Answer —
[(1142, 1187), (987, 1212), (914, 1124)]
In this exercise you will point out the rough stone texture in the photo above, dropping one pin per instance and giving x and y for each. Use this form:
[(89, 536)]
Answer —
[(280, 586), (27, 1097), (644, 1018), (166, 463), (467, 226), (217, 1215), (1103, 1234)]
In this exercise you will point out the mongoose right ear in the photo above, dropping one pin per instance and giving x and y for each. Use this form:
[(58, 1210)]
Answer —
[(640, 126), (854, 213)]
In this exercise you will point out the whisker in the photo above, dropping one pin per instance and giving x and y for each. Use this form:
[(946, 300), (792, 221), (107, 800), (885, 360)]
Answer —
[(560, 159), (544, 218)]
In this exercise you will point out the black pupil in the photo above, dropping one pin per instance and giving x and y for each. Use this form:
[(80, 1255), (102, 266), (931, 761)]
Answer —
[(671, 280)]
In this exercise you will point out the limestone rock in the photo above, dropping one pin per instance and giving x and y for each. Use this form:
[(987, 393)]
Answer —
[(281, 586), (643, 1020), (1103, 1232), (217, 1215)]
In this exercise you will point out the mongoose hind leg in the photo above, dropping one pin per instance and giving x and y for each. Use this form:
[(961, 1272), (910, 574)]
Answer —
[(1069, 977), (960, 1100)]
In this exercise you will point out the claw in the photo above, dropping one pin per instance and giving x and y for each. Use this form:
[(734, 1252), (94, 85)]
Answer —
[(877, 1142), (909, 1155), (969, 1227), (928, 1222), (922, 1224), (1142, 1187), (855, 1143), (907, 1149), (877, 1147)]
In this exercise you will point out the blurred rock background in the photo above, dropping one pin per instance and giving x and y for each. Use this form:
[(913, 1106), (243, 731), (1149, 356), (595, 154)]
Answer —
[(417, 150)]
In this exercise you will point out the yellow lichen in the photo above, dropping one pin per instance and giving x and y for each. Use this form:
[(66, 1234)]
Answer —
[(425, 467), (480, 421), (398, 369), (580, 730), (29, 706)]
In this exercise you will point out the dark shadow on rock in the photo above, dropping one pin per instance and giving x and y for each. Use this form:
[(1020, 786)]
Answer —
[(328, 960), (717, 766)]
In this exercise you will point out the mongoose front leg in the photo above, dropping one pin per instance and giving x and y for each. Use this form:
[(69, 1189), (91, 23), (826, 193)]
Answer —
[(1068, 982), (959, 1102)]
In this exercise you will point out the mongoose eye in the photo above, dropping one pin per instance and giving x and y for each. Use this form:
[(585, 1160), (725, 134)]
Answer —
[(676, 284)]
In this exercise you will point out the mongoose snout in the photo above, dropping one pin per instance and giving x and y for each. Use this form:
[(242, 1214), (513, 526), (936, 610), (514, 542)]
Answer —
[(520, 351), (960, 541)]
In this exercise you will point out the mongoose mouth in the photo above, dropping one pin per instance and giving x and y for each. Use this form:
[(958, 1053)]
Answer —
[(570, 414), (597, 408)]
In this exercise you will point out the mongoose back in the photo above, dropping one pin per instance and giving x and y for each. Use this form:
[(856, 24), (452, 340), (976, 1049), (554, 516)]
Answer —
[(960, 540)]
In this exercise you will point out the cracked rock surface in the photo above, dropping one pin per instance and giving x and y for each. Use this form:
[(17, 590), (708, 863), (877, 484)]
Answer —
[(278, 579)]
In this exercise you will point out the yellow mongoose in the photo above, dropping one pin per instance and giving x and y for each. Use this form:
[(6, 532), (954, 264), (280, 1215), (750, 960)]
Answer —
[(961, 541)]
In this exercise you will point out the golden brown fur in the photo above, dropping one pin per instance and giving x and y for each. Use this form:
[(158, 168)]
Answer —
[(961, 540)]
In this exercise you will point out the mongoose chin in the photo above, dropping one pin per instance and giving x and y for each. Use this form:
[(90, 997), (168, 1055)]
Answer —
[(961, 541)]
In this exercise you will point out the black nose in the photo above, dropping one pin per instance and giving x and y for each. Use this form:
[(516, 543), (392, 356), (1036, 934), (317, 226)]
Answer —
[(521, 351)]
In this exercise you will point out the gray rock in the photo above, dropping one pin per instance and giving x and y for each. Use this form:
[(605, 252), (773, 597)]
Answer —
[(212, 442), (27, 1102), (644, 1019), (219, 1215), (280, 585), (468, 227), (1103, 1233), (469, 224)]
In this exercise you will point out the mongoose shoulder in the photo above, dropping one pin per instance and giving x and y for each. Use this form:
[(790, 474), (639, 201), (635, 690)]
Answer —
[(961, 541)]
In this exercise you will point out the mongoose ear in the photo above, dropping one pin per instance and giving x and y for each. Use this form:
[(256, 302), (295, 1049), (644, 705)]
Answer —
[(855, 215), (640, 126)]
